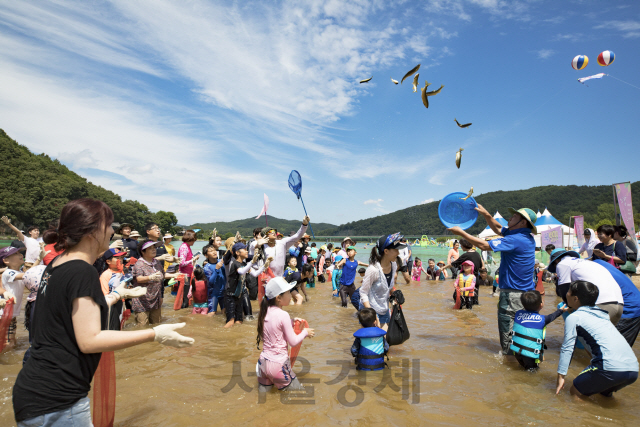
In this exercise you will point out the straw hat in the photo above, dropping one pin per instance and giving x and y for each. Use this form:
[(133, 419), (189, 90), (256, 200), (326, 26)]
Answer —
[(134, 233), (167, 236)]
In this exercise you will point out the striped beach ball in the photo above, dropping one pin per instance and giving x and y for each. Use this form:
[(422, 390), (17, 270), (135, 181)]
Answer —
[(606, 58), (580, 62)]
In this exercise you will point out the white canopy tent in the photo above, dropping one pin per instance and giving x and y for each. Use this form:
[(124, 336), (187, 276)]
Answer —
[(488, 232), (546, 222)]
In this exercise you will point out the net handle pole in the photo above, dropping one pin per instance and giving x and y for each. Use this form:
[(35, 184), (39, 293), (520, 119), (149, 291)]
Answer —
[(305, 212)]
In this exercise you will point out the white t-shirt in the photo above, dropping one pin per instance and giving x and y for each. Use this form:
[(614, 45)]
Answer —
[(404, 255), (33, 249), (16, 287), (570, 269)]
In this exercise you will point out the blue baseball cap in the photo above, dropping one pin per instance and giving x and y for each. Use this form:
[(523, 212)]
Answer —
[(338, 258), (237, 247)]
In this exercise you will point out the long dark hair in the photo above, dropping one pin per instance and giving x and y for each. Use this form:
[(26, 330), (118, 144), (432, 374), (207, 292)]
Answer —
[(79, 218), (375, 256), (264, 307), (198, 275)]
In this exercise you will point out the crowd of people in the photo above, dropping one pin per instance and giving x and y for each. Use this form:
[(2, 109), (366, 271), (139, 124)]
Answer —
[(84, 281)]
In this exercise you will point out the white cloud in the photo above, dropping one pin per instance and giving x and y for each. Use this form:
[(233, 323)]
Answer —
[(429, 200), (628, 28), (545, 53), (373, 202)]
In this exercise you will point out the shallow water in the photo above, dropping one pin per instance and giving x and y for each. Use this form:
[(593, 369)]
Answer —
[(448, 373)]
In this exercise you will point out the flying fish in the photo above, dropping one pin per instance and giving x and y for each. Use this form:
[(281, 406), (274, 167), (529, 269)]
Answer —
[(410, 73), (415, 82), (394, 81), (462, 126), (468, 195), (366, 80), (459, 157)]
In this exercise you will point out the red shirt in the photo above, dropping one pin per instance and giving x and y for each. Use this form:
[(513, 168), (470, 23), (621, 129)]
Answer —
[(51, 255)]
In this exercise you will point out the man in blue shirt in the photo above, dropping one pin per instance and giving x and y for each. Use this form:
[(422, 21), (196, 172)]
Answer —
[(518, 251)]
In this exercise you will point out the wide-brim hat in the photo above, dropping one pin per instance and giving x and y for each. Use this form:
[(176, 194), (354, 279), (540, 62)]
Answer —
[(168, 236), (556, 255), (306, 236), (529, 215), (134, 233)]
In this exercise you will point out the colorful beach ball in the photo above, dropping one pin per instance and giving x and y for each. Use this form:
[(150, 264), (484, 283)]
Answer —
[(580, 62), (606, 58)]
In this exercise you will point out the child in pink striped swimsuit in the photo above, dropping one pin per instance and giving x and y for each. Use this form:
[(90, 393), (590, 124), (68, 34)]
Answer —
[(275, 329)]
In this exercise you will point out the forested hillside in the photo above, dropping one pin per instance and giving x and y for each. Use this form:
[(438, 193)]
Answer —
[(34, 188), (246, 226), (594, 202)]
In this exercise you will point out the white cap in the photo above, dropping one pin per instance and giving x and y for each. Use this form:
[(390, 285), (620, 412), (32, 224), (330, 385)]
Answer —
[(276, 286)]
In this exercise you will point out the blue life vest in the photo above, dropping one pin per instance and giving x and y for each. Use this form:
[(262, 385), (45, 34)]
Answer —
[(527, 337), (371, 354)]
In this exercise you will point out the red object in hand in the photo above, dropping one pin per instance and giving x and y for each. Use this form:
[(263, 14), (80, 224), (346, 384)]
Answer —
[(7, 315), (263, 279), (104, 391), (177, 304), (298, 327)]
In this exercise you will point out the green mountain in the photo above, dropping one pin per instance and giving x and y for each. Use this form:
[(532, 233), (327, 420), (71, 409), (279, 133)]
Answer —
[(246, 226), (35, 188), (594, 202)]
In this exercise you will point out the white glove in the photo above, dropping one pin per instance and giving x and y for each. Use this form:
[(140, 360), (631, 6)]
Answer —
[(8, 295), (165, 257), (167, 335), (3, 302), (155, 276), (125, 293), (237, 237), (117, 244), (42, 253), (260, 242), (306, 220)]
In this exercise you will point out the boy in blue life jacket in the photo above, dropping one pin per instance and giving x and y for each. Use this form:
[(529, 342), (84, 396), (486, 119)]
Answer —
[(370, 346), (529, 330)]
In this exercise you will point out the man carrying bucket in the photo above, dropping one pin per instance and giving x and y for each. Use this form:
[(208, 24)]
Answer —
[(517, 249)]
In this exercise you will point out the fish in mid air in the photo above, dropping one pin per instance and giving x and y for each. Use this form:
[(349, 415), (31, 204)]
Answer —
[(468, 195), (425, 100), (410, 73), (394, 81), (462, 126), (459, 157), (366, 80), (435, 92), (415, 82)]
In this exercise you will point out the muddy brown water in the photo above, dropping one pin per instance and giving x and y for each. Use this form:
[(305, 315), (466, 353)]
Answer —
[(448, 373)]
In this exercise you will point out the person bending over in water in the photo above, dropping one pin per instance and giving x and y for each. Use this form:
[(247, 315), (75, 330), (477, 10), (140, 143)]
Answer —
[(529, 330), (613, 364), (370, 346), (275, 330)]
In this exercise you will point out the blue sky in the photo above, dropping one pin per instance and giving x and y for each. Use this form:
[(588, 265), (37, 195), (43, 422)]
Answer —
[(201, 107)]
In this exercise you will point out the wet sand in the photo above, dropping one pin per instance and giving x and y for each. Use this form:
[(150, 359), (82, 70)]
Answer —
[(448, 373)]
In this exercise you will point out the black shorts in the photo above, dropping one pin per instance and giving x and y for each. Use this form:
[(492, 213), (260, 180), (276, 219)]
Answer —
[(233, 306), (527, 362), (593, 380), (402, 269), (629, 329)]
